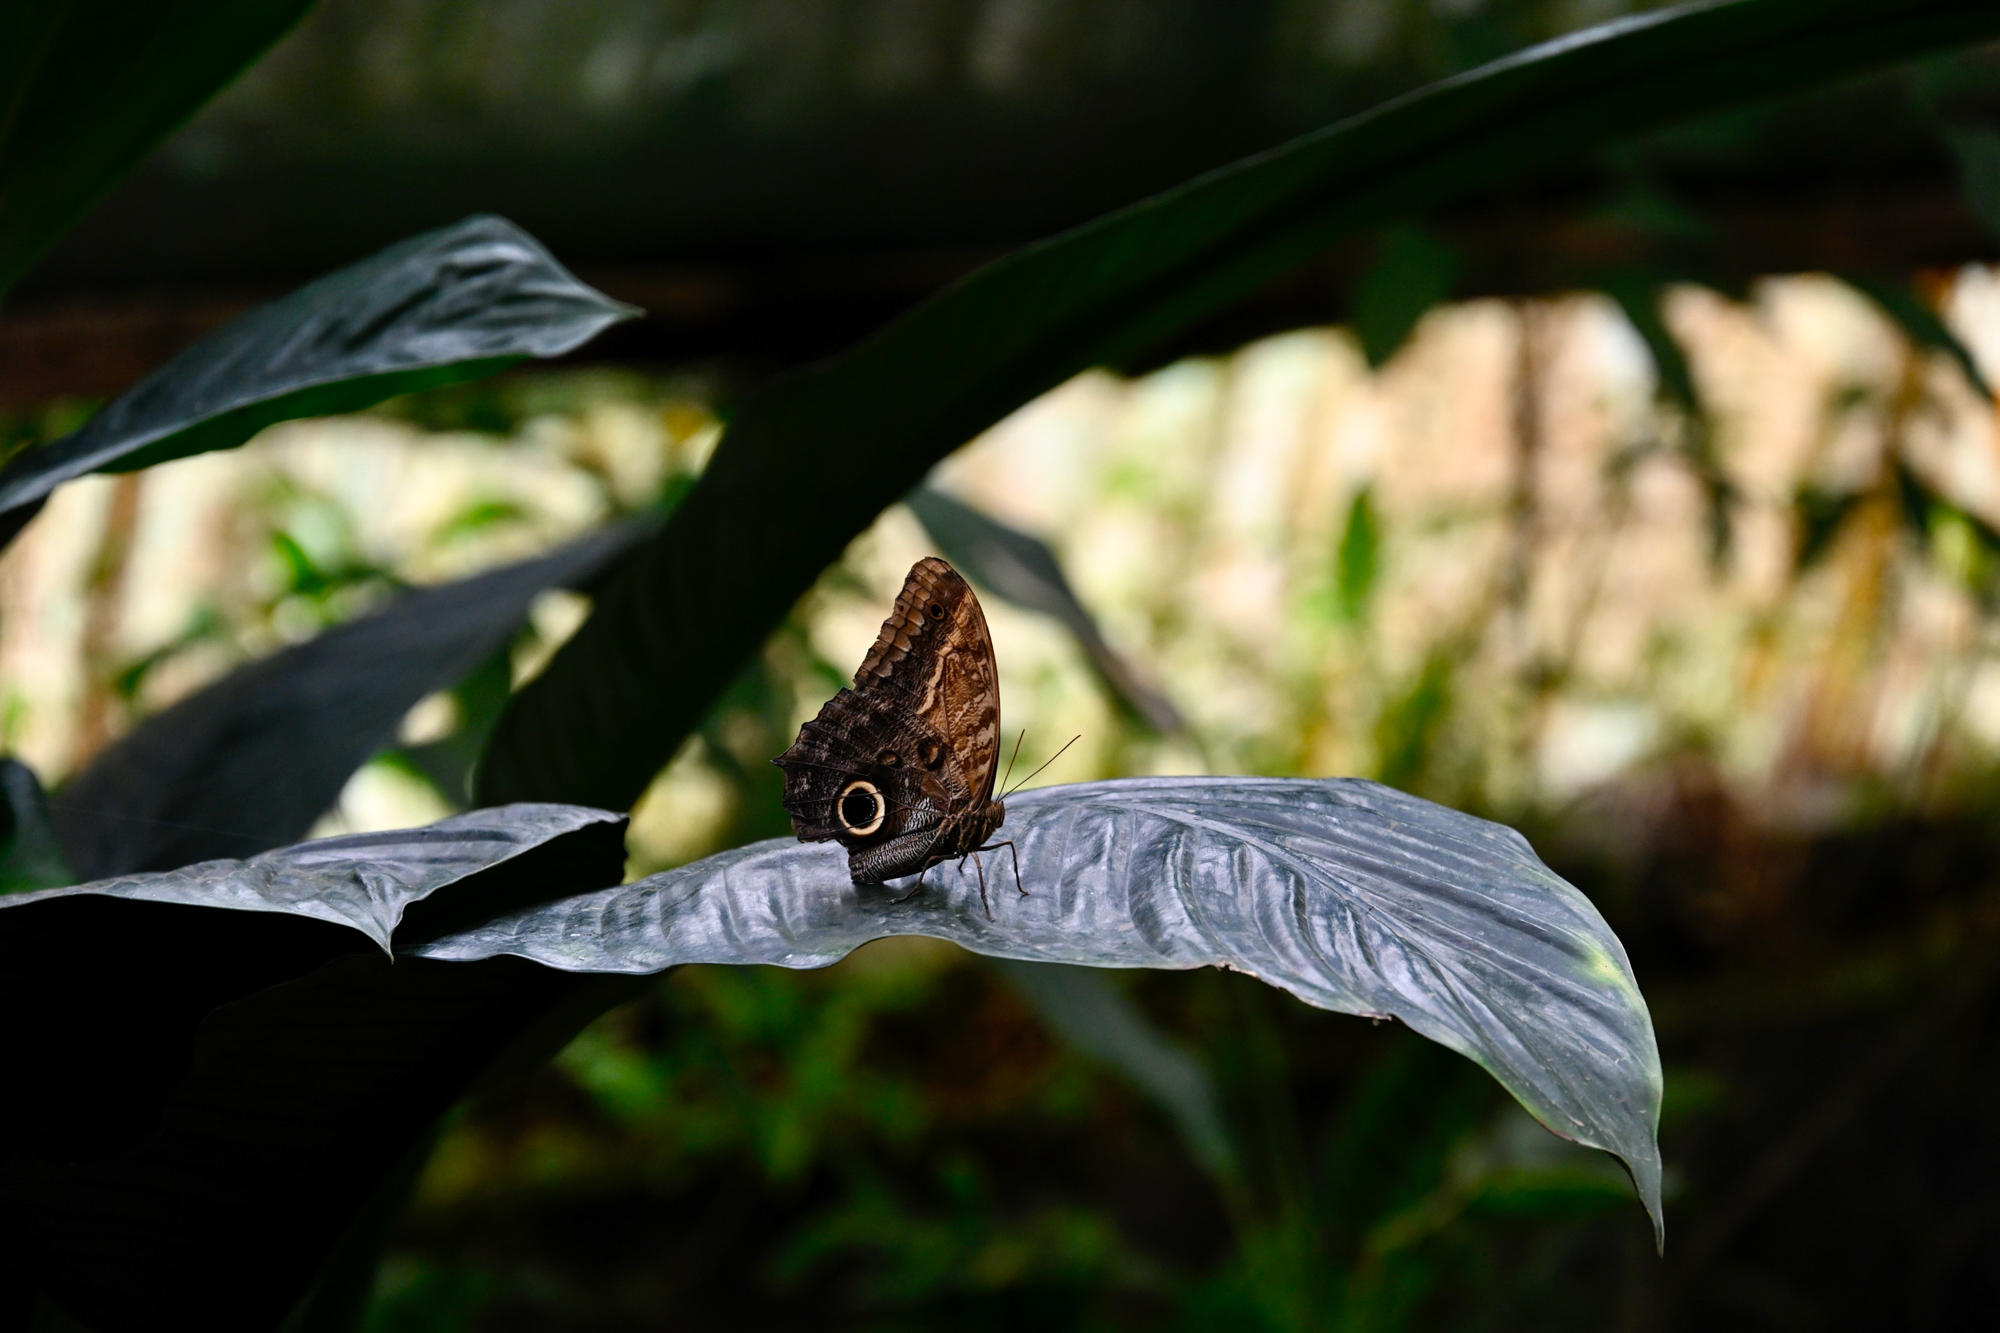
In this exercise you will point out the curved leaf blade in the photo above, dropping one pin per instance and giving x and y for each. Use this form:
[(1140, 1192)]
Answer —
[(364, 881), (118, 973), (251, 761), (30, 856), (805, 467), (1412, 271), (1921, 324), (298, 1104), (1025, 571), (89, 87), (1350, 895), (449, 305)]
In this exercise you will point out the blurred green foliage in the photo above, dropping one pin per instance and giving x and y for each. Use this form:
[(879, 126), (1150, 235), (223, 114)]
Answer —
[(1359, 558), (897, 1143), (22, 426)]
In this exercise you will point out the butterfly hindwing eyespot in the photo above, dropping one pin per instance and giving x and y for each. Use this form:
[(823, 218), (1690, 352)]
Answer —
[(901, 766), (860, 808)]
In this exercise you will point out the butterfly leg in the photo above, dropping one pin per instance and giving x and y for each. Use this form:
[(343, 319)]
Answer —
[(981, 867), (1015, 853), (915, 891)]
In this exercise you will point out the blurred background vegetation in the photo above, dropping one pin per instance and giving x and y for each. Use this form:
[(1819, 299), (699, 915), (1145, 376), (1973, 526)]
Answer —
[(1559, 508)]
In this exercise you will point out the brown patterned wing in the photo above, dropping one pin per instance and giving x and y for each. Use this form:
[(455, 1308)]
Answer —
[(899, 769)]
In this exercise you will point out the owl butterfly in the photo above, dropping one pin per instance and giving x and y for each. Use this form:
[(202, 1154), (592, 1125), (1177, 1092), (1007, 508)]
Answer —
[(899, 770)]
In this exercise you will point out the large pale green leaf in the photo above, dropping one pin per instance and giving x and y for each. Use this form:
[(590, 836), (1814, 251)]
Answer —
[(807, 465), (1348, 894), (199, 1164), (88, 87), (449, 305)]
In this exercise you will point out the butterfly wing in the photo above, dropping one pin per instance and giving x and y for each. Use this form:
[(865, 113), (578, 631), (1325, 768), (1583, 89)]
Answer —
[(890, 767)]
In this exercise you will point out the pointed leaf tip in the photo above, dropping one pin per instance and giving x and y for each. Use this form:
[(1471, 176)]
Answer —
[(1350, 895), (446, 306)]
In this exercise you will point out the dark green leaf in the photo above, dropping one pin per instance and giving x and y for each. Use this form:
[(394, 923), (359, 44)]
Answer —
[(340, 1295), (1413, 270), (250, 762), (1094, 1016), (1024, 570), (1921, 324), (1391, 1143), (88, 87), (299, 1103), (1639, 298), (480, 697), (449, 305), (1978, 149), (1407, 729), (118, 972), (1350, 895), (30, 857), (807, 466)]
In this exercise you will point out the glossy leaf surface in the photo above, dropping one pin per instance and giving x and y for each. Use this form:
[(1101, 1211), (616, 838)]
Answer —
[(449, 305), (1350, 895), (227, 1061), (119, 971), (806, 466), (364, 881)]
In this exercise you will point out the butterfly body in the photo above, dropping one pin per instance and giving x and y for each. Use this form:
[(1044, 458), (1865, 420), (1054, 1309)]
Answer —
[(899, 768)]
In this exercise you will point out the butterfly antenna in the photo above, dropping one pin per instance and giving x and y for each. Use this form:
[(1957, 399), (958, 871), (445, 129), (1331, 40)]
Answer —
[(1012, 757), (1038, 772)]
